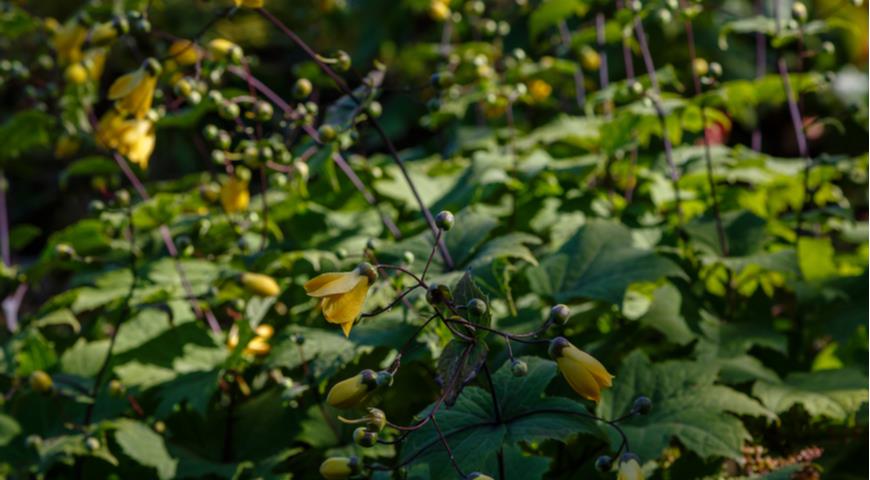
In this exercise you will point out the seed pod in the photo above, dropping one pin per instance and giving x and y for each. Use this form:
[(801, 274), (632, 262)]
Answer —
[(476, 307), (327, 133), (259, 284), (302, 88), (519, 368)]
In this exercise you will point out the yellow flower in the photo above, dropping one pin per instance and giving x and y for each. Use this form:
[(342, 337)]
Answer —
[(76, 74), (439, 11), (339, 468), (184, 52), (131, 137), (586, 375), (249, 3), (257, 346), (350, 392), (629, 468), (234, 195), (540, 90), (342, 294), (68, 41), (259, 284), (106, 32), (590, 59), (134, 91)]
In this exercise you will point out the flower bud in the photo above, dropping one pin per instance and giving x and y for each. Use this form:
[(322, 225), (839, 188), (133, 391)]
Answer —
[(586, 375), (364, 438), (92, 444), (64, 251), (799, 10), (478, 476), (642, 405), (437, 293), (700, 66), (41, 382), (259, 284), (519, 368), (604, 463), (302, 88), (366, 269), (476, 307), (327, 133), (629, 467), (339, 468), (560, 314), (350, 392), (445, 220), (116, 388)]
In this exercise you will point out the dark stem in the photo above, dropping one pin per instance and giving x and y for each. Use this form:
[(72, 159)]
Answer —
[(579, 80), (760, 68), (263, 195), (803, 149), (447, 447), (342, 86)]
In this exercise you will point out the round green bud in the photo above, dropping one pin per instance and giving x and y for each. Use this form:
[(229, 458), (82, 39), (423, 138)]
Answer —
[(560, 314), (92, 444), (368, 270), (302, 88), (228, 110), (122, 197), (384, 378), (556, 346), (343, 61), (64, 251), (799, 10), (365, 438), (409, 257), (116, 388), (299, 339), (211, 132), (96, 206), (604, 463), (327, 133), (519, 368), (437, 293), (159, 426), (642, 405), (476, 307), (442, 79), (375, 109), (41, 382), (445, 220), (263, 111)]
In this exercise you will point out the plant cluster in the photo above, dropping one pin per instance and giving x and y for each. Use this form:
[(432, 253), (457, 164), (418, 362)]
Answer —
[(362, 239)]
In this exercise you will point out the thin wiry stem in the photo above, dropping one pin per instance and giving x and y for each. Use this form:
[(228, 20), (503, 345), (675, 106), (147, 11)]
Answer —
[(579, 80), (711, 179), (342, 86)]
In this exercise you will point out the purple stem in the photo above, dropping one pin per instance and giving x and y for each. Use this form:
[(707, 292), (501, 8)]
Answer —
[(4, 222), (760, 68), (579, 80)]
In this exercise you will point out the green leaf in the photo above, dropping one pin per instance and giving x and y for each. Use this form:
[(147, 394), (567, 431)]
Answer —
[(143, 445), (686, 406), (835, 394), (816, 258), (475, 435), (598, 262), (552, 12), (25, 131), (88, 167), (458, 366), (9, 429)]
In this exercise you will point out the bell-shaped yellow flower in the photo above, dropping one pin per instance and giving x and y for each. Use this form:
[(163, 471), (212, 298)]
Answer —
[(221, 48), (342, 294), (350, 392), (234, 195), (68, 40), (249, 3), (94, 61), (134, 92), (586, 375), (339, 468), (131, 137), (629, 468), (259, 284)]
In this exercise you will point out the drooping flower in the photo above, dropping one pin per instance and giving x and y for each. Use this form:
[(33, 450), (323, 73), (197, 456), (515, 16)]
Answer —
[(68, 40), (221, 48), (234, 195), (629, 468), (339, 468), (249, 3), (131, 137), (342, 294), (259, 284), (586, 375), (94, 61), (350, 392), (134, 92)]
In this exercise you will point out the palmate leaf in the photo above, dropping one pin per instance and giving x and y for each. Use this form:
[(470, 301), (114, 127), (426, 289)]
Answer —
[(146, 447), (598, 262), (686, 406), (475, 435), (835, 394)]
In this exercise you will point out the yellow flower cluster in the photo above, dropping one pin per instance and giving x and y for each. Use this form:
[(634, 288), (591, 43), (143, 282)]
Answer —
[(342, 294), (127, 128)]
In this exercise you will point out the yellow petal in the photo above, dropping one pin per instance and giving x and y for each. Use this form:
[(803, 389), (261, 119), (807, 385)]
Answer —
[(345, 307), (630, 470), (345, 327), (334, 283), (590, 363), (579, 378), (125, 84)]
